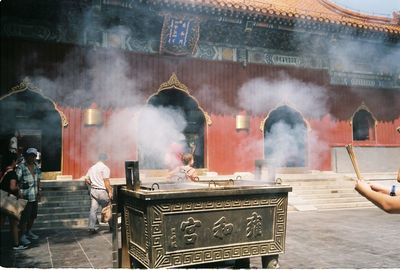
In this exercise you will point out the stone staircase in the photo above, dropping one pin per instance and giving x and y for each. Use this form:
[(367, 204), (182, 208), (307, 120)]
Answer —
[(323, 192), (63, 204)]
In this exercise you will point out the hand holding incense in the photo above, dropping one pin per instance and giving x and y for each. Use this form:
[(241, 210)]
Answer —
[(353, 159)]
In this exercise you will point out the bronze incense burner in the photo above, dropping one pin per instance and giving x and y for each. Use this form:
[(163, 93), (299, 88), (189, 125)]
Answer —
[(175, 224)]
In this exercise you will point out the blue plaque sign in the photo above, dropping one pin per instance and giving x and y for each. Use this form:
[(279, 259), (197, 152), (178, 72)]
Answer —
[(179, 35)]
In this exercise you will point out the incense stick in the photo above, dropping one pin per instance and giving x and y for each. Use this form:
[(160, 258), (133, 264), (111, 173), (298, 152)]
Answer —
[(353, 159)]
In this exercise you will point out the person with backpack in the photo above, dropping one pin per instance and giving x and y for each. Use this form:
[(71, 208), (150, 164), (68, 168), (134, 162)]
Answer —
[(29, 175), (186, 172), (8, 183)]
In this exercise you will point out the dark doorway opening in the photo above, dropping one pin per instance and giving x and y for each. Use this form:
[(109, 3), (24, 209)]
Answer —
[(363, 126), (285, 135), (37, 124), (194, 116)]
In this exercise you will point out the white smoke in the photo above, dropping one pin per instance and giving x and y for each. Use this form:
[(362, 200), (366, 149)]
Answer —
[(364, 57), (214, 96), (128, 126), (115, 137), (112, 84), (285, 143), (158, 128), (259, 95)]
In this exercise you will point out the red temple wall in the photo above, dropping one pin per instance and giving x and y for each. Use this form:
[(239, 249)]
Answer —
[(227, 150)]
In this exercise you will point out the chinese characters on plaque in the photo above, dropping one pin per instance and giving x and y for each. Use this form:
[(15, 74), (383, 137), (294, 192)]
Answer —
[(179, 34), (254, 225), (221, 229), (191, 228)]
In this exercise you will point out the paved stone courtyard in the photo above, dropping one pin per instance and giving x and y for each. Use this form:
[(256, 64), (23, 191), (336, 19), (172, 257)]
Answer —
[(358, 238)]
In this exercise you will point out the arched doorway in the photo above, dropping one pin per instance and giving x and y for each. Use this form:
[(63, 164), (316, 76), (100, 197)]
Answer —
[(285, 135), (37, 123), (363, 123), (175, 97)]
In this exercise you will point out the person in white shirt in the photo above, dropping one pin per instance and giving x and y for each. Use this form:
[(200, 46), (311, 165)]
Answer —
[(13, 145), (98, 178)]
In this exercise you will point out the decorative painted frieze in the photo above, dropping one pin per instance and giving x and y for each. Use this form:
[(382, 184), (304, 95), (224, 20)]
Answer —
[(363, 80), (30, 31), (366, 75)]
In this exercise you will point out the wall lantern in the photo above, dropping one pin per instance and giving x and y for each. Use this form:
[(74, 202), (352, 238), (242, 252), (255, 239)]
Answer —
[(242, 121), (92, 116)]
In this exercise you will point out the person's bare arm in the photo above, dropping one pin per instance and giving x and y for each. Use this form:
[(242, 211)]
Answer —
[(192, 174), (389, 204), (13, 185), (87, 180), (379, 188), (108, 188), (398, 176)]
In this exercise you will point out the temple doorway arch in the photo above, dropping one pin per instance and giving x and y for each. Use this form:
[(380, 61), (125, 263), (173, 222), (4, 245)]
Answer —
[(363, 124), (175, 96), (285, 137), (36, 122)]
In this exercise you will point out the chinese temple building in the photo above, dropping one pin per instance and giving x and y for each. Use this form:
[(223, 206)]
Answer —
[(233, 82)]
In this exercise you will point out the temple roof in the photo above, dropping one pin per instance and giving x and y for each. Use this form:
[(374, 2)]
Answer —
[(322, 11)]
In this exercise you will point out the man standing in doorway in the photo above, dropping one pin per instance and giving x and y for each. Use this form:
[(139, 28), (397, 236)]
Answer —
[(29, 176), (97, 178)]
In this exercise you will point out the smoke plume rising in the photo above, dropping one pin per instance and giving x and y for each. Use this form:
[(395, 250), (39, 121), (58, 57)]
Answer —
[(287, 102)]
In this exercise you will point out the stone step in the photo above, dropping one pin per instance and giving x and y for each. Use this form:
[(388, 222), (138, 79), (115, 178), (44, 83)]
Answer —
[(330, 195), (322, 191), (58, 183), (61, 223), (305, 177), (318, 181), (364, 204), (63, 209), (53, 185), (62, 198), (322, 188), (65, 189), (64, 215), (335, 200), (61, 203), (57, 193), (319, 184)]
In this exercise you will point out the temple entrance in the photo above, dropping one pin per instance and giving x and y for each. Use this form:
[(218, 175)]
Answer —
[(193, 132), (285, 134), (34, 122)]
